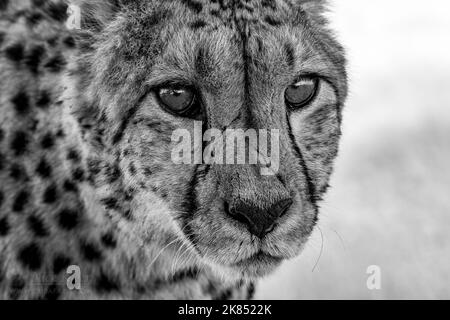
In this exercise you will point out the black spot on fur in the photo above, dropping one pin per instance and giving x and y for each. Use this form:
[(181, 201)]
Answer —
[(224, 295), (68, 219), (190, 273), (30, 256), (38, 3), (269, 4), (272, 21), (20, 143), (70, 186), (17, 172), (250, 291), (50, 194), (73, 155), (4, 4), (60, 263), (132, 169), (48, 141), (210, 289), (2, 161), (43, 100), (60, 133), (37, 226), (113, 173), (193, 5), (90, 252), (259, 45), (69, 42), (57, 11), (53, 292), (2, 135), (94, 166), (4, 226), (20, 201), (163, 193), (34, 57), (52, 41), (198, 24), (21, 103), (127, 214), (15, 52), (16, 286), (44, 170), (110, 203), (55, 64), (108, 240), (290, 54), (105, 284), (34, 18), (78, 174), (2, 197), (215, 13)]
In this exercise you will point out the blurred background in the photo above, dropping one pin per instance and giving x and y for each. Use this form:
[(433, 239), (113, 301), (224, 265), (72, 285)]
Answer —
[(389, 204)]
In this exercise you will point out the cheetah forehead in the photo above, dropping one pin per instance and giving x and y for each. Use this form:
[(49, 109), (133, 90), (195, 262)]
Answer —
[(230, 12)]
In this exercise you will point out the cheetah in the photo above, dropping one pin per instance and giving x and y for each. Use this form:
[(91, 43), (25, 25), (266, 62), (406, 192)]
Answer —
[(86, 115)]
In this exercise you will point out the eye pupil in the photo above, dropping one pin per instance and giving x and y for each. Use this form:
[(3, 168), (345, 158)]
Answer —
[(301, 93), (177, 100)]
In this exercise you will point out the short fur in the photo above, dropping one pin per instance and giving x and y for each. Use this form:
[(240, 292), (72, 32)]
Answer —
[(85, 169)]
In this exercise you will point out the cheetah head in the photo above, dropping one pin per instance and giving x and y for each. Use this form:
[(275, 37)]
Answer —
[(148, 69)]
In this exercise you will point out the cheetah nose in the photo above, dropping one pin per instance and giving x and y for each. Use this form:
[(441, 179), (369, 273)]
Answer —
[(258, 221)]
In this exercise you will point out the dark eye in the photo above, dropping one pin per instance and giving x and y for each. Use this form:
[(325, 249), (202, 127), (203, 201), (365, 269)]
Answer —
[(178, 100), (301, 93)]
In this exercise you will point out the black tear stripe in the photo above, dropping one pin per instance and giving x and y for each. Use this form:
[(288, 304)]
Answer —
[(189, 207), (130, 113), (119, 134), (191, 202), (310, 187)]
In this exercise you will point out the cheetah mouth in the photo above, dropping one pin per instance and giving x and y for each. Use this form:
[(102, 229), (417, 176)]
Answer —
[(258, 265), (230, 247), (259, 258)]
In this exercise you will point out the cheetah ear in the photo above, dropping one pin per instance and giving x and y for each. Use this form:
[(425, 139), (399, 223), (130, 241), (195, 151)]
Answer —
[(96, 14)]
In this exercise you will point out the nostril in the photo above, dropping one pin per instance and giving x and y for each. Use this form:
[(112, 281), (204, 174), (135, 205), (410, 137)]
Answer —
[(281, 207), (237, 215), (259, 221)]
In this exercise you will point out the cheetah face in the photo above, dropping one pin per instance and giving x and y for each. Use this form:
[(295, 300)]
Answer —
[(274, 70)]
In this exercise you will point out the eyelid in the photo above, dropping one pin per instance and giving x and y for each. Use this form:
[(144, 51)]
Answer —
[(304, 80), (307, 76), (173, 89)]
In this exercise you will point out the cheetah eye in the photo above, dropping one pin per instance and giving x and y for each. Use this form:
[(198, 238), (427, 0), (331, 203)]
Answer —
[(301, 93), (177, 100)]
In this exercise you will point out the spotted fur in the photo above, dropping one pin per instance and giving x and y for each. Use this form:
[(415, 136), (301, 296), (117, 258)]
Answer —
[(85, 169)]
